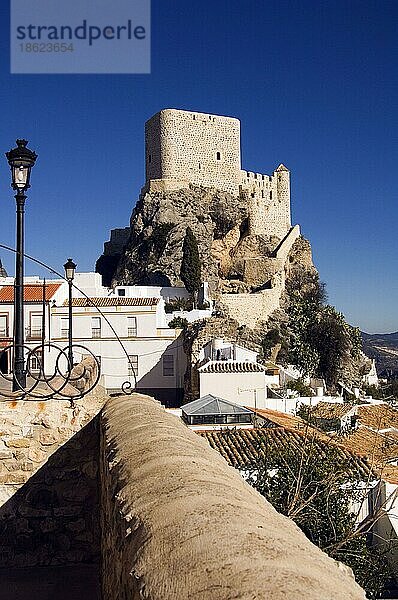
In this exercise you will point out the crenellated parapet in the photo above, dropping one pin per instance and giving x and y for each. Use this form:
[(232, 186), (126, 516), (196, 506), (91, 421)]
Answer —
[(269, 201)]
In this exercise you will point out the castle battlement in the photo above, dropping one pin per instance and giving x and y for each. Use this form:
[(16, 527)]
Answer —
[(184, 148)]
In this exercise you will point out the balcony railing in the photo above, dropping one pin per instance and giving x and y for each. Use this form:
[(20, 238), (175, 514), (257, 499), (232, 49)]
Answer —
[(33, 333)]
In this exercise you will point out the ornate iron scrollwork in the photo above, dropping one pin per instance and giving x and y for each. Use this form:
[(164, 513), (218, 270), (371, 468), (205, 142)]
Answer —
[(61, 380)]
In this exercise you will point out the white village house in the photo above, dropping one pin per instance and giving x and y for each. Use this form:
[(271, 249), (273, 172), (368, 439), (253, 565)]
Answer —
[(125, 328), (231, 372)]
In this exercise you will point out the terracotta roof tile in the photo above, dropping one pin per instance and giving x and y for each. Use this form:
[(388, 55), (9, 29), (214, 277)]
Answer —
[(112, 301), (241, 447), (287, 421), (330, 410), (221, 366), (32, 292), (377, 447), (378, 416)]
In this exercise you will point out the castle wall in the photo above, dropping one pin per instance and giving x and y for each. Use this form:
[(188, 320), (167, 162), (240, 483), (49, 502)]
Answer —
[(286, 245), (269, 199), (251, 309), (117, 242), (200, 148)]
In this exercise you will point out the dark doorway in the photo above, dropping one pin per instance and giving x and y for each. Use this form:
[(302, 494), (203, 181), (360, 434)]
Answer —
[(4, 362)]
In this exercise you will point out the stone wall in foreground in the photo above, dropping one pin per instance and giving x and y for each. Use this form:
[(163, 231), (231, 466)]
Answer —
[(49, 501), (177, 522)]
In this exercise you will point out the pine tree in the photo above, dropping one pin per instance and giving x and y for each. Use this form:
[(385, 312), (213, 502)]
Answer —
[(190, 271)]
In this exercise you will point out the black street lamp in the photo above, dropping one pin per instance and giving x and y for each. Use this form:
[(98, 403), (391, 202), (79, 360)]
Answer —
[(21, 160), (70, 267)]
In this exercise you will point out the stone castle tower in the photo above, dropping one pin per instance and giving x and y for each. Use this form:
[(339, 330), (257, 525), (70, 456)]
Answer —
[(184, 148)]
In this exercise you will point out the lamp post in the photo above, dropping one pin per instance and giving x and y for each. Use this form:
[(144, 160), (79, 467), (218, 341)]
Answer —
[(70, 267), (21, 160)]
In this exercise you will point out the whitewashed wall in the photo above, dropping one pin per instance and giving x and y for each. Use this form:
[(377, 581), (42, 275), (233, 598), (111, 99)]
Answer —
[(235, 387)]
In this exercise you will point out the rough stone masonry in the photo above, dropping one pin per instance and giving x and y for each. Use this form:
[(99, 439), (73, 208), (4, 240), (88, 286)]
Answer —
[(184, 148), (49, 500)]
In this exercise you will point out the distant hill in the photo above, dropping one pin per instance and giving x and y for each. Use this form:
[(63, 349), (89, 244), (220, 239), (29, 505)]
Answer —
[(384, 348)]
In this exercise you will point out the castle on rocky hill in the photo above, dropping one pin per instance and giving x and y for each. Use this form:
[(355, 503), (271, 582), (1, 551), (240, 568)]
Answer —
[(241, 219), (184, 148)]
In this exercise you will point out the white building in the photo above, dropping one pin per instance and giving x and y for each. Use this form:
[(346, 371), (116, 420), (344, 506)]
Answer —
[(232, 372), (125, 328), (34, 292), (371, 378)]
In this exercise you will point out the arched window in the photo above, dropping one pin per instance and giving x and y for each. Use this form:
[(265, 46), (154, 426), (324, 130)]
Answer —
[(218, 155)]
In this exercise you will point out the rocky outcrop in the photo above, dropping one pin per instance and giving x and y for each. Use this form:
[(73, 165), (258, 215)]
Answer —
[(246, 272), (158, 225), (233, 260)]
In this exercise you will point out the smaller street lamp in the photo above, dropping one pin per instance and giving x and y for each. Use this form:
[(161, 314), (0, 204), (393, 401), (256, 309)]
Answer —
[(70, 267), (21, 160)]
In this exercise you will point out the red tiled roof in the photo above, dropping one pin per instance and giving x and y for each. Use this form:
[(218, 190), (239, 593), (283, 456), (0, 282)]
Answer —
[(330, 410), (242, 448), (378, 448), (231, 367), (288, 421), (32, 292), (107, 301), (378, 416)]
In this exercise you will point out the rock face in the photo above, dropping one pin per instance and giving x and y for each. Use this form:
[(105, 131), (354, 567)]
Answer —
[(158, 225), (233, 260)]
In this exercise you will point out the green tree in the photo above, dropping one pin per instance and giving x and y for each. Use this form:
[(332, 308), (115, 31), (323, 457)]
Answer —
[(190, 272), (302, 318), (178, 323), (318, 495), (299, 386), (320, 341), (335, 341)]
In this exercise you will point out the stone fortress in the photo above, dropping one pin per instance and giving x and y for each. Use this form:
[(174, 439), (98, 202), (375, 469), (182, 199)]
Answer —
[(184, 148), (194, 177)]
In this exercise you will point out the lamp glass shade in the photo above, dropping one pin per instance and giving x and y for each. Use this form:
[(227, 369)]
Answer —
[(69, 267), (21, 160), (20, 176)]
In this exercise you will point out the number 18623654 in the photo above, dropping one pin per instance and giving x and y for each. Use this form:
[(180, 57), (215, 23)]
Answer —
[(46, 47)]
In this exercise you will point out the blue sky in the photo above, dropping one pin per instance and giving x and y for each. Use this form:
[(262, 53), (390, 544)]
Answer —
[(314, 84)]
